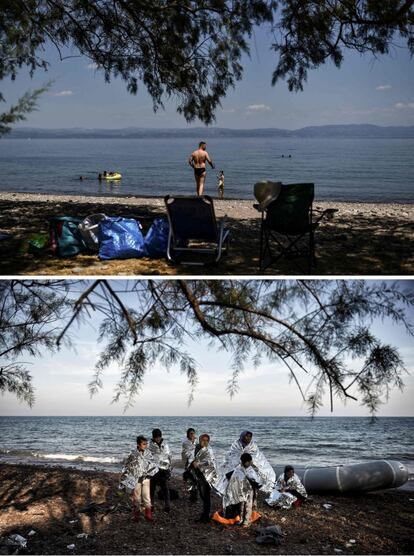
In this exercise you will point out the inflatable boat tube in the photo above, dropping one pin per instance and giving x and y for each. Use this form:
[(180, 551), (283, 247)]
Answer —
[(363, 477)]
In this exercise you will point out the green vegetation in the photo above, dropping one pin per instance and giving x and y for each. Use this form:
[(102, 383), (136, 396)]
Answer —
[(318, 330), (192, 50), (18, 112)]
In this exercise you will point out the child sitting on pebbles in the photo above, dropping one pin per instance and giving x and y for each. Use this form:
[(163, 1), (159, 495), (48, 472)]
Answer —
[(288, 490), (241, 492)]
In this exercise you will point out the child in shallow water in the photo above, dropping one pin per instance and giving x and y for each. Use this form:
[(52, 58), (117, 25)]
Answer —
[(220, 185)]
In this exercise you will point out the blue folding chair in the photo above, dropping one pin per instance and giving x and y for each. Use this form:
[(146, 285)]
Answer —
[(194, 229)]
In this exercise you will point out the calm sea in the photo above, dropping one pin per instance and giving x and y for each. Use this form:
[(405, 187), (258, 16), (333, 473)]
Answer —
[(103, 442), (341, 168)]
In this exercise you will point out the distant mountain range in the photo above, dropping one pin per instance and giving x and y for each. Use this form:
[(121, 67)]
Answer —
[(352, 131)]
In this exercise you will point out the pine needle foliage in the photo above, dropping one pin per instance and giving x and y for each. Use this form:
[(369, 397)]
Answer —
[(192, 51), (319, 331)]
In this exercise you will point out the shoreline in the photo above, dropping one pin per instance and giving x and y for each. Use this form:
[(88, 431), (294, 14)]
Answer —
[(362, 238), (44, 197), (60, 504), (177, 469)]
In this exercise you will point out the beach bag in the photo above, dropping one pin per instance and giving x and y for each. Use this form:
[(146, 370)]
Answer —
[(65, 237), (89, 229), (120, 238), (156, 240)]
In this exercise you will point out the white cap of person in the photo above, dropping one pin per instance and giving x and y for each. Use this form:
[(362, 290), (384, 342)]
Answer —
[(266, 192)]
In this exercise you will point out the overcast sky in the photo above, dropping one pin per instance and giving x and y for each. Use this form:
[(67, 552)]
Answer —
[(363, 90), (61, 385)]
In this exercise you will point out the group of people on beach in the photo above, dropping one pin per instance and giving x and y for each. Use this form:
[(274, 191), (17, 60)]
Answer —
[(198, 160), (245, 471)]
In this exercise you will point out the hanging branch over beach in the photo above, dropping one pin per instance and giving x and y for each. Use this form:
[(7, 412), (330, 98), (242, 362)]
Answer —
[(192, 50), (318, 330), (309, 34), (19, 111), (30, 320)]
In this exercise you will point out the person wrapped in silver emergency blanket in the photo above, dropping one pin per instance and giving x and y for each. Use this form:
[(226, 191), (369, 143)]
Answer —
[(246, 445), (139, 467), (202, 467), (188, 446), (288, 490), (187, 454), (239, 498), (162, 457)]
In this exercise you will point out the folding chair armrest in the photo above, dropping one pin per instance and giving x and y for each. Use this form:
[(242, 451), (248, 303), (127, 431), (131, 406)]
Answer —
[(257, 207), (329, 213), (325, 211)]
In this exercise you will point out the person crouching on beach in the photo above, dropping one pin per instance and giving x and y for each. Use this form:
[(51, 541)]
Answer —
[(239, 498), (197, 161), (289, 490), (203, 467), (187, 455), (246, 444), (162, 456), (135, 478), (220, 185)]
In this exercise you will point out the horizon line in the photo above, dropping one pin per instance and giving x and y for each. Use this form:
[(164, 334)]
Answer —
[(208, 127), (232, 416)]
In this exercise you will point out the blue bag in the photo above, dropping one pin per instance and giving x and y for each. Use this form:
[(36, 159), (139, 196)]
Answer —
[(120, 238), (156, 240), (65, 237)]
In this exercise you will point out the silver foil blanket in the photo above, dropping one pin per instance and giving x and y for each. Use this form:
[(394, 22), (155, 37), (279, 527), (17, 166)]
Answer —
[(284, 500), (206, 464), (239, 488), (262, 466), (138, 466), (187, 451), (161, 454)]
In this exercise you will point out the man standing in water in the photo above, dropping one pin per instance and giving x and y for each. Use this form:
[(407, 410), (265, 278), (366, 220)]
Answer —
[(197, 161)]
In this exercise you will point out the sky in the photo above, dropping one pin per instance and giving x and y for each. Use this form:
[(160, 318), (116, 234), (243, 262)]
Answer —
[(61, 383), (364, 90)]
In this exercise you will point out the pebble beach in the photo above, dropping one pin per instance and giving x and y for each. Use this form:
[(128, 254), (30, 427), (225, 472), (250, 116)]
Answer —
[(362, 238), (67, 507)]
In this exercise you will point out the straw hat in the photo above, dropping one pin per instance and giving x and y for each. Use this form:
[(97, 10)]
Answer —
[(266, 192)]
